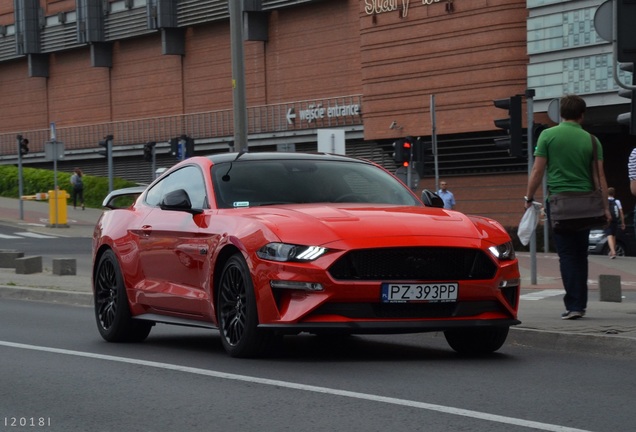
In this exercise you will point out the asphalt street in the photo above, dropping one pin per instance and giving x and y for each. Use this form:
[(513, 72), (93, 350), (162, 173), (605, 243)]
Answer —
[(609, 327)]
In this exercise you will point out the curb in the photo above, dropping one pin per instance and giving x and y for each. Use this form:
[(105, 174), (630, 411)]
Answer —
[(584, 343), (74, 298)]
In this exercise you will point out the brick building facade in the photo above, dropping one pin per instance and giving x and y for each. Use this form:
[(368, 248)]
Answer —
[(386, 58)]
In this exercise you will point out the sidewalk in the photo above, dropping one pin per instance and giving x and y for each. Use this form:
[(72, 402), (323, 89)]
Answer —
[(608, 327)]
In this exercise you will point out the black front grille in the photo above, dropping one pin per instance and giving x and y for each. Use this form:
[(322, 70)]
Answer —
[(414, 263)]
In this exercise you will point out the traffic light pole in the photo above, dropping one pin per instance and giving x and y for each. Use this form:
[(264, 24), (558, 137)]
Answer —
[(533, 238), (409, 171), (20, 181), (434, 142), (153, 165), (110, 164), (238, 75)]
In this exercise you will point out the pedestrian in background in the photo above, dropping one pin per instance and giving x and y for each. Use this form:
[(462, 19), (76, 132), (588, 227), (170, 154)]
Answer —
[(631, 171), (78, 188), (616, 211), (565, 153), (446, 196)]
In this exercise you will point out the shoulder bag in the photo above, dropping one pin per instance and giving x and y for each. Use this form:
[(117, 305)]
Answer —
[(577, 211)]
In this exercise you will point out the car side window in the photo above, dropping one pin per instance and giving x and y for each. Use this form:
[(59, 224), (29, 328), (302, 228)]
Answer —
[(153, 196), (188, 178)]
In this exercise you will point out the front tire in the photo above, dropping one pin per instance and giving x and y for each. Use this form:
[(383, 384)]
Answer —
[(476, 341), (112, 313), (237, 315)]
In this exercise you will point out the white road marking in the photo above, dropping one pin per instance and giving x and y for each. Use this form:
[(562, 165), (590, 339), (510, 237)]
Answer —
[(538, 295), (23, 234), (308, 388), (34, 235), (7, 236)]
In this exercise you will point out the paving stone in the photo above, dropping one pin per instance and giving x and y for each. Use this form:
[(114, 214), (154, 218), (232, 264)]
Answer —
[(8, 256), (28, 265), (64, 266)]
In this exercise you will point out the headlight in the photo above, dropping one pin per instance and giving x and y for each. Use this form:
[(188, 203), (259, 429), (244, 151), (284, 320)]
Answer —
[(596, 235), (289, 252), (503, 252)]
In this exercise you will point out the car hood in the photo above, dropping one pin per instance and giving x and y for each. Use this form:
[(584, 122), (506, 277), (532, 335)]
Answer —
[(324, 224)]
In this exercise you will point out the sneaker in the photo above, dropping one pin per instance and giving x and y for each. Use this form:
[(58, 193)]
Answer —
[(571, 315)]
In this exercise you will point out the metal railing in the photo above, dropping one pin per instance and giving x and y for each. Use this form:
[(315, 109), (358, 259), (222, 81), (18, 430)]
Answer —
[(265, 119)]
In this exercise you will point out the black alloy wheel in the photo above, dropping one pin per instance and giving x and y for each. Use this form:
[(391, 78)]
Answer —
[(112, 312), (237, 315)]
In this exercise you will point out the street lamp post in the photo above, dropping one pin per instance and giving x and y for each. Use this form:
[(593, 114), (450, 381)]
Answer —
[(238, 75)]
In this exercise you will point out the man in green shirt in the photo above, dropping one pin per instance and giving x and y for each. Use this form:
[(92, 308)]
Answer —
[(565, 153)]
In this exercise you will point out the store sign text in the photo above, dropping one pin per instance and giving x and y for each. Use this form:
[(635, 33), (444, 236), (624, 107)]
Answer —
[(372, 7), (318, 112)]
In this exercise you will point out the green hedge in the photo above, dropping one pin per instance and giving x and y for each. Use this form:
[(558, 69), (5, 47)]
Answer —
[(40, 180)]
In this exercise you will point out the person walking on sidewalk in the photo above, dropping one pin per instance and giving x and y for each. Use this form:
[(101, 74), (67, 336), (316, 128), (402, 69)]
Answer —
[(616, 210), (78, 188), (564, 153), (631, 171)]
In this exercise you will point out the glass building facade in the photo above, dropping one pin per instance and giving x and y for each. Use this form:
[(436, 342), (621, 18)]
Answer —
[(567, 55)]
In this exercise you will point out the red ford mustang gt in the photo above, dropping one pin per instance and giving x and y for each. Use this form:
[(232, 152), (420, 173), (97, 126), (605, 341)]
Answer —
[(259, 245)]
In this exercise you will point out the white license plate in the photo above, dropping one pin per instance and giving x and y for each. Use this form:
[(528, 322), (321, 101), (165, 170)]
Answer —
[(424, 292)]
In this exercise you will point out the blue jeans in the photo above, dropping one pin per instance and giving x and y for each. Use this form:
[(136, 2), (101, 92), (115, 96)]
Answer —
[(572, 251)]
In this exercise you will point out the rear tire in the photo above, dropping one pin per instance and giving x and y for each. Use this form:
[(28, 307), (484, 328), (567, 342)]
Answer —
[(112, 311), (476, 341)]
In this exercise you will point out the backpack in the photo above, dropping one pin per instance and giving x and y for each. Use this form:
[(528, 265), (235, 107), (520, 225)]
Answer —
[(79, 184), (614, 211)]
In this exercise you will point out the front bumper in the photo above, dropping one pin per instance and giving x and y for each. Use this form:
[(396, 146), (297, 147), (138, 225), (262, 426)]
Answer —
[(383, 327)]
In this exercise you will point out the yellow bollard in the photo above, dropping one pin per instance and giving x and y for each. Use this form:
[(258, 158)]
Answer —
[(57, 208)]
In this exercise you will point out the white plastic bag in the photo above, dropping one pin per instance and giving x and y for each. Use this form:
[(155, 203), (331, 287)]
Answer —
[(528, 223)]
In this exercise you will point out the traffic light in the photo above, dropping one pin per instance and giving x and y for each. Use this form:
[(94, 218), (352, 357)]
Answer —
[(512, 125), (174, 147), (398, 150), (537, 128), (107, 143), (409, 146), (403, 150), (625, 40), (23, 145), (149, 150), (424, 157), (628, 118), (187, 143)]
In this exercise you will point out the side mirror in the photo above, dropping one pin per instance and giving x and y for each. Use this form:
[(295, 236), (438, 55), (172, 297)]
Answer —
[(178, 200), (431, 199)]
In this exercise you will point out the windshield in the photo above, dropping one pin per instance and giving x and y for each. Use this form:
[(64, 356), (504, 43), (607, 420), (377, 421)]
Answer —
[(250, 183)]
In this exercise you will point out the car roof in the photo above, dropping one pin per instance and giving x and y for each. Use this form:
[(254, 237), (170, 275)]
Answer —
[(260, 156)]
